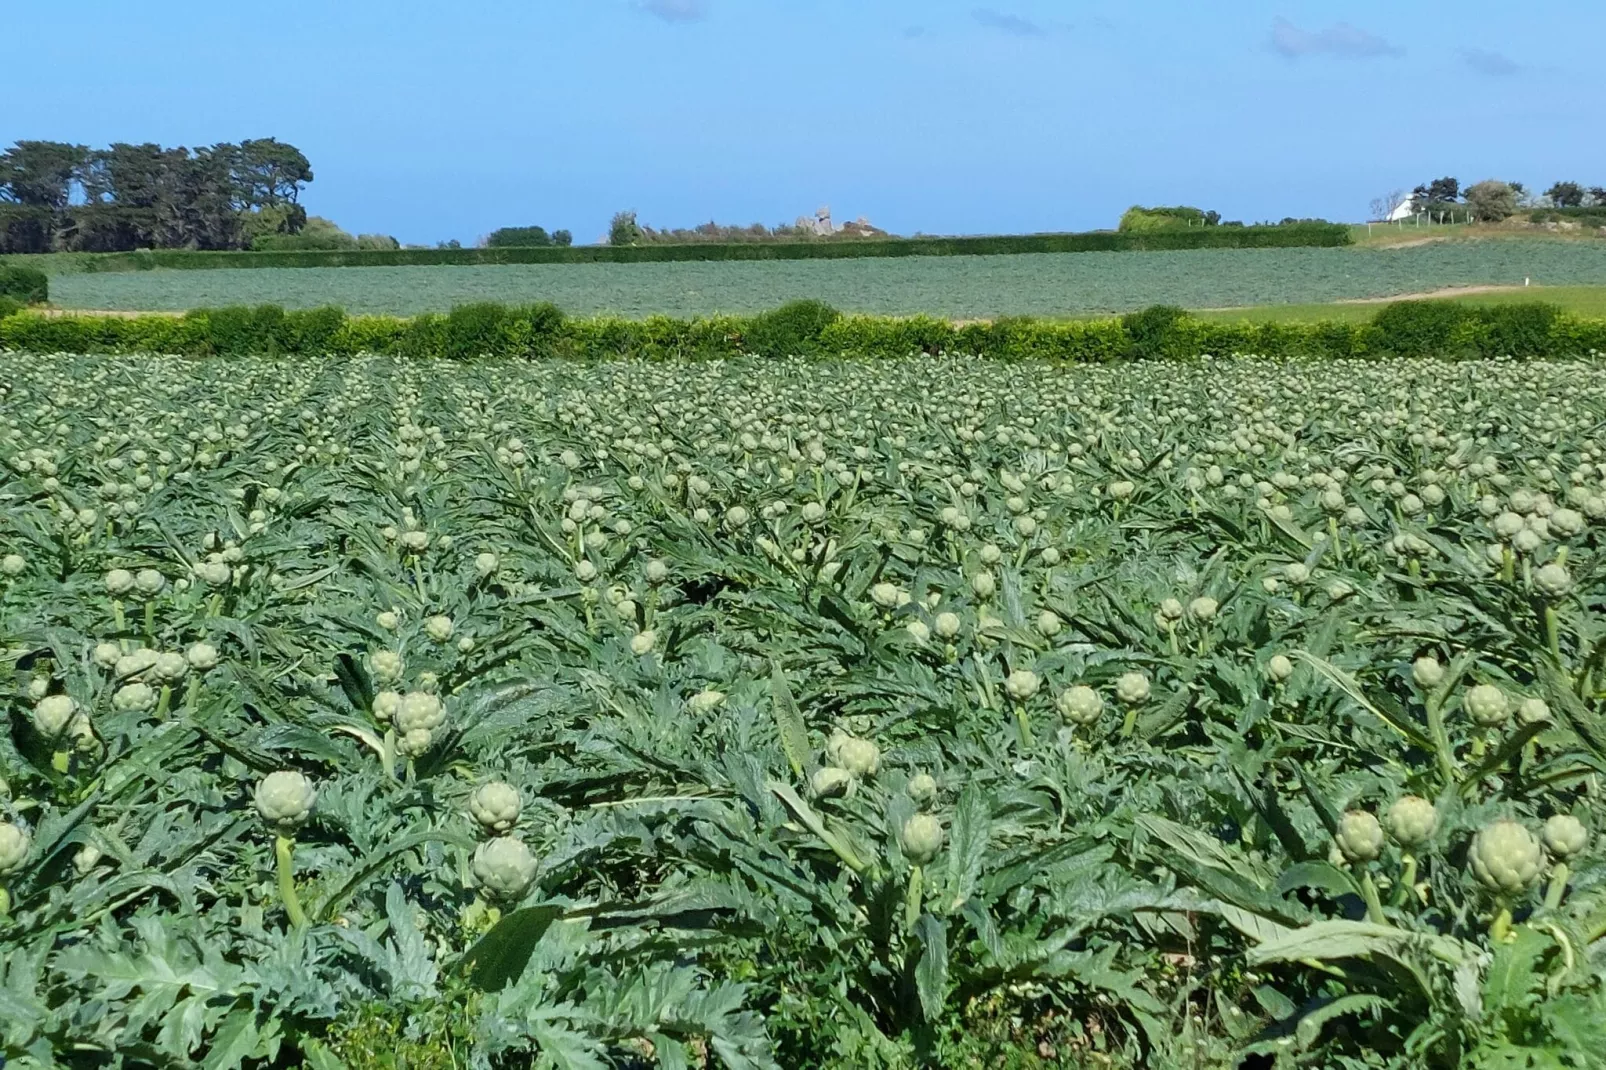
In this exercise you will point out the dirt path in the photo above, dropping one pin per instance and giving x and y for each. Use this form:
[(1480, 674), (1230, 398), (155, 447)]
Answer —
[(1447, 291)]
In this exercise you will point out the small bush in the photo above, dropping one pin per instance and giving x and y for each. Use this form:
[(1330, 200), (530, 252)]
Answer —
[(474, 331), (27, 285), (9, 305), (1154, 332), (1414, 328), (794, 329), (1523, 330)]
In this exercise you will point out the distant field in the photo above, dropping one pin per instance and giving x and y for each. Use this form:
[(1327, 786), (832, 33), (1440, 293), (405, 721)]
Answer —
[(1581, 300), (1066, 284)]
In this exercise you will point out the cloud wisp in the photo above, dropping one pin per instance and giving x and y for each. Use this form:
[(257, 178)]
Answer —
[(674, 10), (1004, 22), (1340, 40), (1490, 64)]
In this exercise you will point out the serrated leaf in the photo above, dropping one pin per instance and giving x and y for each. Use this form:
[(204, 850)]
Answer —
[(789, 724), (499, 957), (931, 972)]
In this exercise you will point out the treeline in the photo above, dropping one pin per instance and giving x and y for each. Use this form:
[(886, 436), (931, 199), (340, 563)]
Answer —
[(59, 197), (809, 328), (1312, 234), (625, 229), (1494, 200)]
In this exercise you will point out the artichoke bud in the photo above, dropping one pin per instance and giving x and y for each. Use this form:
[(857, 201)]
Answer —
[(285, 799), (921, 838)]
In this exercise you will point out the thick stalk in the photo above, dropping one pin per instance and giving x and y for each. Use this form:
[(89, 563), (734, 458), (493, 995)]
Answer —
[(1500, 927), (61, 761), (1407, 881), (282, 848), (5, 901), (1434, 705), (1024, 724), (150, 620), (1553, 633), (913, 898), (1374, 906), (1557, 887)]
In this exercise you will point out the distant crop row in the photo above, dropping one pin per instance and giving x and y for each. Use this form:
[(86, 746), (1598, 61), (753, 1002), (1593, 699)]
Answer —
[(1263, 237), (958, 287)]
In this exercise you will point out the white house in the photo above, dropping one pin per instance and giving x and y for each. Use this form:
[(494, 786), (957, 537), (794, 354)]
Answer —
[(1404, 211)]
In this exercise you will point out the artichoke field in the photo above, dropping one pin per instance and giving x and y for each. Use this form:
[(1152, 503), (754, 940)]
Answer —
[(791, 714)]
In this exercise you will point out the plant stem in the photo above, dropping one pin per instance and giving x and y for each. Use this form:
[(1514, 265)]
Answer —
[(1407, 880), (913, 898), (1558, 886), (282, 848), (1553, 633), (1024, 724), (1374, 906), (61, 761), (1500, 927), (5, 901), (1441, 739)]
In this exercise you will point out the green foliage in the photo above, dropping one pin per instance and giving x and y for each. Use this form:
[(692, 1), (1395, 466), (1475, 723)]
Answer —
[(812, 328), (796, 328), (9, 305), (530, 237), (24, 284), (1154, 332), (316, 235), (1492, 200), (1138, 219), (1422, 326)]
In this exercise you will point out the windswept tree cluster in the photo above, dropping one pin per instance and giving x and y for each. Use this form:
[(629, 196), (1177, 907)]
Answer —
[(1493, 200), (59, 197)]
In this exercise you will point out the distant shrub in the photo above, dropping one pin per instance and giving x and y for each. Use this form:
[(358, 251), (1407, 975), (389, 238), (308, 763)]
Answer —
[(793, 329), (516, 237), (26, 285), (1520, 330), (1411, 327), (474, 330), (1138, 218), (1154, 332), (8, 306)]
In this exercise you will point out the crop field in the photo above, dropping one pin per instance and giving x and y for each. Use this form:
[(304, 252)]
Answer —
[(961, 287), (761, 714)]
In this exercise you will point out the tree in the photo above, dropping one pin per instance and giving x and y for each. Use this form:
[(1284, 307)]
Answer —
[(507, 237), (624, 230), (40, 173), (1566, 195), (1383, 207), (1597, 196), (271, 171), (1436, 195), (562, 237), (1492, 200)]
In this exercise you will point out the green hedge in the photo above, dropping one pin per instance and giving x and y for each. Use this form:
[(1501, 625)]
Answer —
[(1303, 234), (24, 284), (1413, 328)]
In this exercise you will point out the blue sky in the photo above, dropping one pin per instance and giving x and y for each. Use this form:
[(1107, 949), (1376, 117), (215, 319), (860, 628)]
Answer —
[(445, 120)]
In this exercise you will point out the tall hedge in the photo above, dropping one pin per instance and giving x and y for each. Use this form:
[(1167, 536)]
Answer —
[(1412, 328), (1267, 237), (24, 284)]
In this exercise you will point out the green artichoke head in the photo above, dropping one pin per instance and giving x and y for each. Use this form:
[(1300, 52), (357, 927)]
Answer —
[(285, 799), (1505, 857), (504, 867)]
